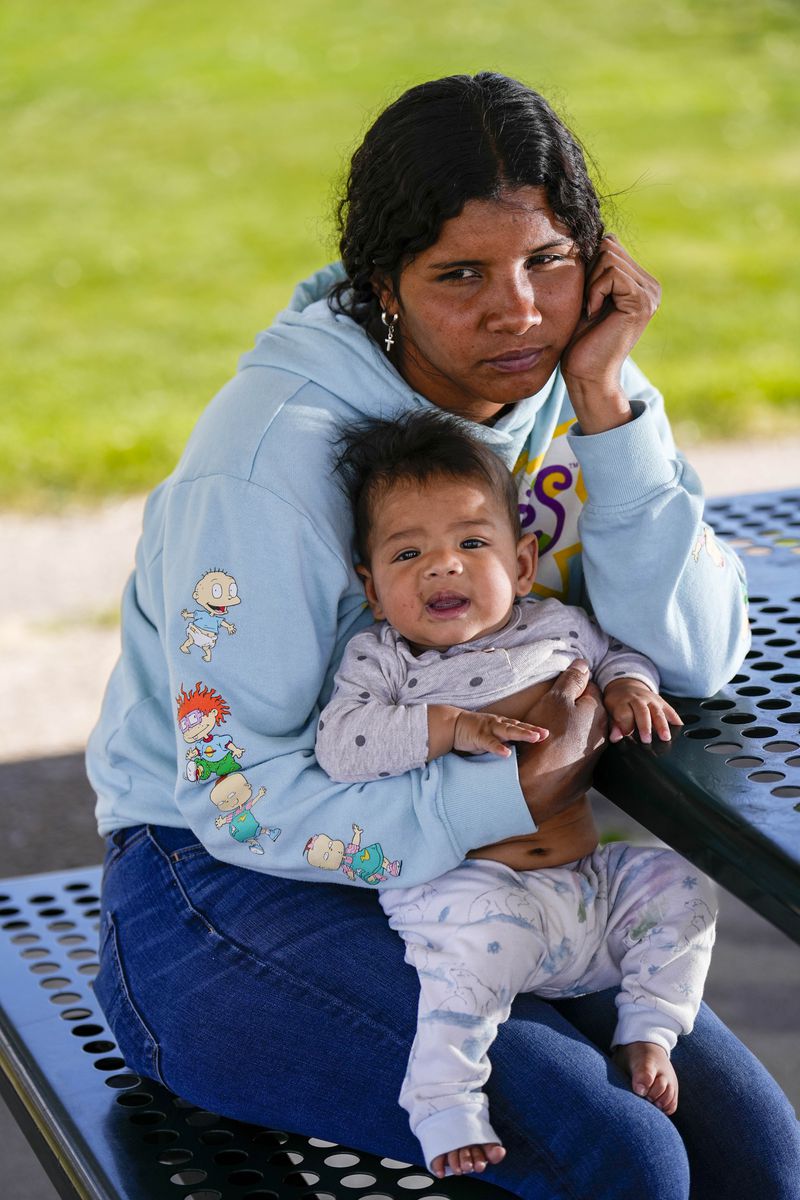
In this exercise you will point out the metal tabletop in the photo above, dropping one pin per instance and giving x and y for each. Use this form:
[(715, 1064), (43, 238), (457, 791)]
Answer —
[(726, 791)]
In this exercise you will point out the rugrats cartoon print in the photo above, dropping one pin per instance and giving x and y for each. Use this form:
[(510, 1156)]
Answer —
[(234, 798), (706, 541), (367, 863), (214, 593), (209, 753), (200, 711)]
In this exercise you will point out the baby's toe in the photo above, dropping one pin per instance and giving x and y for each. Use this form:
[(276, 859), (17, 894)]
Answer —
[(437, 1165), (466, 1159), (668, 1101), (643, 1081), (657, 1089)]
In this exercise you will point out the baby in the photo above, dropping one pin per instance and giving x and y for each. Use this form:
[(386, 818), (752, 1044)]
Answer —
[(461, 654)]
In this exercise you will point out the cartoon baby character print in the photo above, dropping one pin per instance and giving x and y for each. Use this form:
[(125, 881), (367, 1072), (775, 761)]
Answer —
[(200, 711), (706, 541), (234, 798), (367, 863), (215, 593), (209, 753)]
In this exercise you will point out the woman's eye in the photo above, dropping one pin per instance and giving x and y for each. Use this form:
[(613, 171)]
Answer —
[(543, 260), (459, 273), (405, 555)]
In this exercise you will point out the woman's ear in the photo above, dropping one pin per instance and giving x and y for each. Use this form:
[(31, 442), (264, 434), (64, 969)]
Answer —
[(527, 558), (383, 288), (369, 589)]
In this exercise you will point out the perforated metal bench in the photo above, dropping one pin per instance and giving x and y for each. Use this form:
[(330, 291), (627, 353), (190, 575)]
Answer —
[(101, 1131), (726, 793)]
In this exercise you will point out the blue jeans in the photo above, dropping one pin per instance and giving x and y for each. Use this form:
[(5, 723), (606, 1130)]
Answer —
[(288, 1004)]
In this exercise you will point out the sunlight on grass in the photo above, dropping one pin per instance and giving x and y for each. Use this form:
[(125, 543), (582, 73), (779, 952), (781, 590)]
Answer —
[(169, 172)]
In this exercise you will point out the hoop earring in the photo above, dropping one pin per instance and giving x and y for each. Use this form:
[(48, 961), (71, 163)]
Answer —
[(390, 323)]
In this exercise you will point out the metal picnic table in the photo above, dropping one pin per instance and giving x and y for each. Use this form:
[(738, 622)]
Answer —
[(726, 791)]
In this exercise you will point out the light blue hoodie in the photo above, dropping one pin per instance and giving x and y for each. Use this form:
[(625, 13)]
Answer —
[(253, 501)]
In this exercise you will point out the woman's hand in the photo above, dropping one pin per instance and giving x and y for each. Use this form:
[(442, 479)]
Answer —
[(621, 298), (555, 772)]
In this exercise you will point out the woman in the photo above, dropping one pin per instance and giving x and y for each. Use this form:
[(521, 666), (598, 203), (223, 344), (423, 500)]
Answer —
[(476, 279)]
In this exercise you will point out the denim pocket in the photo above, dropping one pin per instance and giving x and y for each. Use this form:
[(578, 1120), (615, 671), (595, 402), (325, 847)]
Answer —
[(134, 1037)]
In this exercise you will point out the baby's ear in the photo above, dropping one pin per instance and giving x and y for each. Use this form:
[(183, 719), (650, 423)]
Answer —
[(527, 558), (369, 589)]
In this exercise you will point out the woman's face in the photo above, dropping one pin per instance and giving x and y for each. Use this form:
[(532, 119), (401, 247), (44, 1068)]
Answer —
[(485, 313)]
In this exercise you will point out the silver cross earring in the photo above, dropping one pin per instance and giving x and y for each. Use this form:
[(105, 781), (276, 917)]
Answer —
[(389, 322)]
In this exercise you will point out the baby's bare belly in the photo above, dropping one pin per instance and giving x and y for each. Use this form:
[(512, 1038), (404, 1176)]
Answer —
[(569, 835)]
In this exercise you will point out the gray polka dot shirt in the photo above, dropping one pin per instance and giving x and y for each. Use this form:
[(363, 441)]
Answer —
[(376, 723)]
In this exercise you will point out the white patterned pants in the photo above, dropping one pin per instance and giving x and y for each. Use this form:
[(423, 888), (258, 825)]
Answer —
[(636, 916)]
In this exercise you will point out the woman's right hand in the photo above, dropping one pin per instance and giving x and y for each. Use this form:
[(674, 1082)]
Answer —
[(555, 772)]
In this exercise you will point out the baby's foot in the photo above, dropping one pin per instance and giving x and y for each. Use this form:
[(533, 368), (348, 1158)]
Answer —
[(468, 1158), (652, 1074)]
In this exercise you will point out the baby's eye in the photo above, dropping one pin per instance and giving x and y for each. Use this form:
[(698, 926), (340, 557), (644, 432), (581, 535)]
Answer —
[(472, 543), (405, 555)]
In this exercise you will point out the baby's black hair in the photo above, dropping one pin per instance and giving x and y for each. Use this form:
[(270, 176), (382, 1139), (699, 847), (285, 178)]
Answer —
[(373, 456)]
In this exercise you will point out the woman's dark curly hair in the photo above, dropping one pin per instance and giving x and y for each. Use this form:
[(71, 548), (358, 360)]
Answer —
[(442, 143)]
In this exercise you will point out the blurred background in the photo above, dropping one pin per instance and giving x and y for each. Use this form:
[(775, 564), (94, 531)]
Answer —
[(170, 170)]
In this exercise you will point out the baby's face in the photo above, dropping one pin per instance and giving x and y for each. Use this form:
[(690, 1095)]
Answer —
[(445, 565)]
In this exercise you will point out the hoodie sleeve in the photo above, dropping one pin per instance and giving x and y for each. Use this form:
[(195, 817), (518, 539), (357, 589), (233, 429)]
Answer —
[(245, 702), (656, 575)]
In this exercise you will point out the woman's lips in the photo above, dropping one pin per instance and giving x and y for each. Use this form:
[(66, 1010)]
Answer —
[(444, 606), (516, 360)]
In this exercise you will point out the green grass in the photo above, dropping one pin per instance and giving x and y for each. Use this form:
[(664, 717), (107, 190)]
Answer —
[(169, 171)]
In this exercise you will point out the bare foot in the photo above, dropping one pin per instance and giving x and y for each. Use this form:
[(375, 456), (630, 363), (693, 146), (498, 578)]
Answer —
[(652, 1074), (468, 1158)]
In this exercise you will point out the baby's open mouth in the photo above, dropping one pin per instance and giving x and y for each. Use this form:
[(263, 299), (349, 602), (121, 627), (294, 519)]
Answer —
[(447, 604), (218, 608)]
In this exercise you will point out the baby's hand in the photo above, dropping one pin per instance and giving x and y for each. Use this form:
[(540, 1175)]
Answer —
[(630, 703), (481, 733)]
